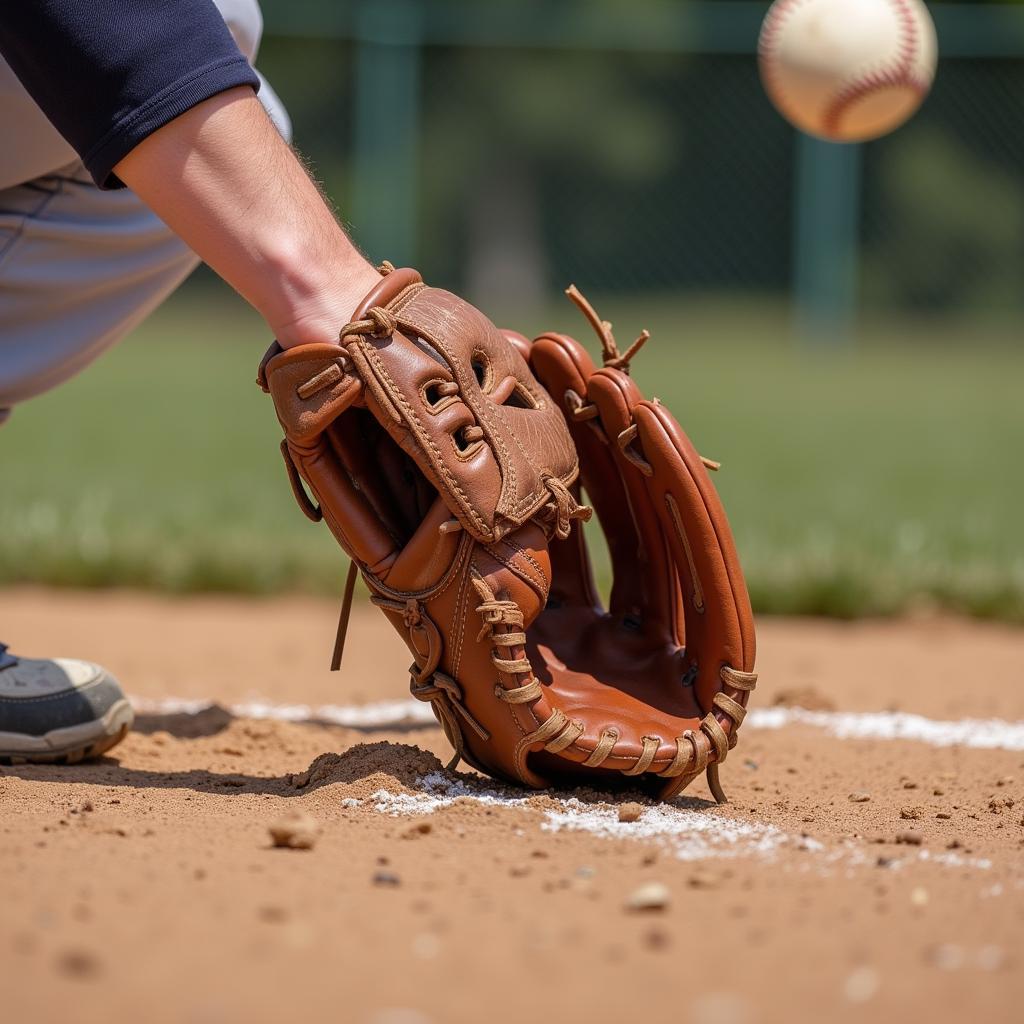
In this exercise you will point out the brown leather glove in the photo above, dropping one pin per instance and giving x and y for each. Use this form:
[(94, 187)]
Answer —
[(446, 472)]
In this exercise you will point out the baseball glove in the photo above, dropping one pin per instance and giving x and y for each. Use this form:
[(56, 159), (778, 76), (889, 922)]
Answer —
[(449, 475)]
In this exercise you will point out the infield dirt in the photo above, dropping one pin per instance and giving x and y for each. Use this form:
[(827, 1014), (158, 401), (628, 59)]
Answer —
[(848, 878)]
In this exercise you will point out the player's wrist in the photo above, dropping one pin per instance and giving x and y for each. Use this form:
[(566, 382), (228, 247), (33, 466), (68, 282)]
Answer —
[(317, 299)]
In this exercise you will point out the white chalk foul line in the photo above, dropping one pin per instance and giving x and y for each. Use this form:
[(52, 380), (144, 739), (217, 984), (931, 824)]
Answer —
[(689, 835), (379, 715), (979, 733)]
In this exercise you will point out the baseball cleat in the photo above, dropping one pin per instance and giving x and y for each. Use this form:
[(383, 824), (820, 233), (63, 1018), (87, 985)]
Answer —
[(58, 710)]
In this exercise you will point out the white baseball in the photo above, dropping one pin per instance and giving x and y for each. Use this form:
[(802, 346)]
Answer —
[(848, 70)]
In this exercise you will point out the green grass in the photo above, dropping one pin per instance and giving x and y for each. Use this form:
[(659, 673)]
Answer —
[(868, 481)]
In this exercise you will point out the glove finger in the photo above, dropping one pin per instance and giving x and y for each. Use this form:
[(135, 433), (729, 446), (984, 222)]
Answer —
[(646, 588), (719, 627), (518, 341), (564, 367), (312, 387)]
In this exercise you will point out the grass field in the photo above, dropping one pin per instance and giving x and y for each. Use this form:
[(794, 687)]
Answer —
[(869, 481)]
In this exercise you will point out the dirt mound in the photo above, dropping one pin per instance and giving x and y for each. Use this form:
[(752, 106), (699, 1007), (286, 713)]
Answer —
[(368, 767)]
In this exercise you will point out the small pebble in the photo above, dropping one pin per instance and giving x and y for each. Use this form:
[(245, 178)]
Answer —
[(991, 958), (859, 798), (702, 880), (862, 985), (944, 815), (909, 838), (657, 939), (938, 791), (630, 811), (294, 831), (910, 813), (650, 896), (947, 957), (386, 878), (78, 963), (417, 829), (273, 914), (426, 946)]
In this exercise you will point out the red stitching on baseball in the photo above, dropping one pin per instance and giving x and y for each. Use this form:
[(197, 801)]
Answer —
[(908, 23), (900, 76), (770, 32)]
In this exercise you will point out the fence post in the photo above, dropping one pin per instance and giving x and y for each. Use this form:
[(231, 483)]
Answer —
[(826, 240), (385, 184)]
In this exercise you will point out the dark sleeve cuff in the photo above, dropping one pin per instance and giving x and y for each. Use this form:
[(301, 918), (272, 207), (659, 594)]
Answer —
[(165, 106)]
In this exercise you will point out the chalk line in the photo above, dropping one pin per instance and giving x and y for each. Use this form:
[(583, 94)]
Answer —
[(977, 733)]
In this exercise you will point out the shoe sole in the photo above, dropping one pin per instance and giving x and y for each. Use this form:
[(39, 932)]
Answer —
[(73, 744)]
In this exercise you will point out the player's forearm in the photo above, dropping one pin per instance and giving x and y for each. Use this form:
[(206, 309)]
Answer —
[(224, 180)]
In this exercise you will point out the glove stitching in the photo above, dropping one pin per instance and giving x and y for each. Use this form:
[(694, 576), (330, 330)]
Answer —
[(544, 580), (461, 612), (431, 593)]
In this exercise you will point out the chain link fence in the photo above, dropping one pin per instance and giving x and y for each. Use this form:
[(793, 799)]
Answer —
[(943, 199), (636, 170)]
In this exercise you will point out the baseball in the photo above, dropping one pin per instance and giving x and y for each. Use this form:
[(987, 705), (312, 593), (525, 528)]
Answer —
[(848, 70)]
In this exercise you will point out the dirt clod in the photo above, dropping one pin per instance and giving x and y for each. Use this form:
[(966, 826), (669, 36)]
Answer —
[(651, 896), (417, 829), (909, 838), (78, 963), (630, 811), (295, 831)]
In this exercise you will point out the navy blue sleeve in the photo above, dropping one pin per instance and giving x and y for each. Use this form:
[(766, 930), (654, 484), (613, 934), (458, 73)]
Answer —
[(107, 73)]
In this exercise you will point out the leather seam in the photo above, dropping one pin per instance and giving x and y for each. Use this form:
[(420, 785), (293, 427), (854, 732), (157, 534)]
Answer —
[(460, 623)]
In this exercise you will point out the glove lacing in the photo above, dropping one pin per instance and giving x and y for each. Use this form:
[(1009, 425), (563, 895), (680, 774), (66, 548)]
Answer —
[(697, 751)]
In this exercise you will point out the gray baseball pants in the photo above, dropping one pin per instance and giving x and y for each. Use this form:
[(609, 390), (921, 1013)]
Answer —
[(80, 267)]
